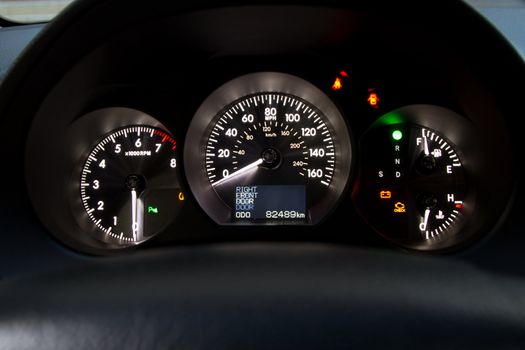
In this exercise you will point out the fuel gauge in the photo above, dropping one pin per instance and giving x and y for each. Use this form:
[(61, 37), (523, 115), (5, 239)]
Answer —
[(412, 188)]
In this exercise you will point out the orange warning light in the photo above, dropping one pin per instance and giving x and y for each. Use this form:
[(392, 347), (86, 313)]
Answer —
[(181, 196), (399, 207), (385, 194), (373, 100), (337, 85)]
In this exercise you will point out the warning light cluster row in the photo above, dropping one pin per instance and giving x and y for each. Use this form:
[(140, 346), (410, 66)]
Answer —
[(372, 96), (399, 207)]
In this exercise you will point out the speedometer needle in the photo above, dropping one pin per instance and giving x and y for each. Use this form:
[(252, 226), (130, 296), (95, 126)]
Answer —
[(239, 172)]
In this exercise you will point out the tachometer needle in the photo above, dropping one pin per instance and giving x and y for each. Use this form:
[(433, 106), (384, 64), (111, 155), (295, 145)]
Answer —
[(134, 222), (239, 172)]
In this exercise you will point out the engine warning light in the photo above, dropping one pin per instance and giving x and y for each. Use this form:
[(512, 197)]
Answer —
[(337, 85), (399, 207)]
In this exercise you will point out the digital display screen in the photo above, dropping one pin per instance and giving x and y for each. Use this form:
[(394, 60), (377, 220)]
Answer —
[(270, 202)]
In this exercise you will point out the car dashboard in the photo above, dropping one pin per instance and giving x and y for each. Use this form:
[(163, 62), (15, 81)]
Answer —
[(268, 135)]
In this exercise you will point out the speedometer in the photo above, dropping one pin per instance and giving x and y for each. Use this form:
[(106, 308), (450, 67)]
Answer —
[(273, 149)]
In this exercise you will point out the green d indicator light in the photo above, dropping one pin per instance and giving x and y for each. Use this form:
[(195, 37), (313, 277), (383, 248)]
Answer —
[(153, 210), (397, 135)]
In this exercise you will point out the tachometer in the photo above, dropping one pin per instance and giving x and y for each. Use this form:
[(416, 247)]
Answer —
[(272, 148), (129, 184)]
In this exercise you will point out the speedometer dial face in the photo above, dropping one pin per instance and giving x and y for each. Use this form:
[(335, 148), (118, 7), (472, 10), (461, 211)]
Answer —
[(269, 156), (296, 153)]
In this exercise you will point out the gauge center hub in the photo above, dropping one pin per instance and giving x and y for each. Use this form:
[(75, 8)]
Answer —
[(135, 182), (271, 158)]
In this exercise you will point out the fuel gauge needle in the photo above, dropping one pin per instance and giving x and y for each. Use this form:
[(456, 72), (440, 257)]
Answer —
[(239, 172), (425, 143)]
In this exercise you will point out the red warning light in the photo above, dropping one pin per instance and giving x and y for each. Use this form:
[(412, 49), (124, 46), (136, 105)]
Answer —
[(343, 73), (373, 100), (337, 85), (459, 205)]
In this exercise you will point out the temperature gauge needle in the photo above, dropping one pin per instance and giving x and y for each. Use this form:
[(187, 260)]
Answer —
[(239, 172), (423, 224)]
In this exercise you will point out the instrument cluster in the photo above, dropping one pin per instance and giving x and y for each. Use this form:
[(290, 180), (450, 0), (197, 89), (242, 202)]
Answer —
[(325, 146)]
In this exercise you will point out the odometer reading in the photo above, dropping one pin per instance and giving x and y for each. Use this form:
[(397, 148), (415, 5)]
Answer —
[(270, 202), (129, 184), (267, 148)]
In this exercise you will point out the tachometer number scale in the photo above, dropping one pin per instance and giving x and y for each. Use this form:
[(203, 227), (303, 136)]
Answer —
[(129, 184)]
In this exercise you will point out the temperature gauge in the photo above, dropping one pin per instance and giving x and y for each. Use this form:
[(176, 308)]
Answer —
[(413, 187)]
